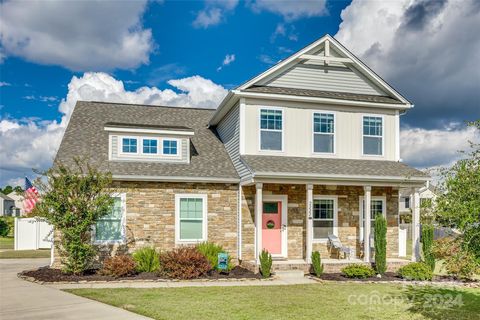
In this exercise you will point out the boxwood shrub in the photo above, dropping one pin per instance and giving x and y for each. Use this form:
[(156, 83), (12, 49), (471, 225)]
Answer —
[(416, 271), (359, 271)]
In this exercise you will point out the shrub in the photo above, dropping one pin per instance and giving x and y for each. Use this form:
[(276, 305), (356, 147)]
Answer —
[(317, 263), (184, 263), (118, 266), (210, 251), (265, 263), (445, 247), (463, 265), (146, 260), (4, 228), (359, 271), (416, 271), (380, 242), (427, 243)]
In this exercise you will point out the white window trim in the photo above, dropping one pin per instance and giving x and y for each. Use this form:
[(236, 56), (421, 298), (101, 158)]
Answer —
[(382, 136), (149, 155), (123, 199), (361, 213), (335, 216), (334, 132), (179, 148), (177, 218), (158, 146), (120, 145), (272, 130)]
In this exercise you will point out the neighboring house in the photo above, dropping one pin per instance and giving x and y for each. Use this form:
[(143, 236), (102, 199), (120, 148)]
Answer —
[(18, 198), (425, 193), (7, 205), (307, 149)]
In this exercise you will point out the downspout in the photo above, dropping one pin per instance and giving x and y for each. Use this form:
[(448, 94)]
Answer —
[(239, 226)]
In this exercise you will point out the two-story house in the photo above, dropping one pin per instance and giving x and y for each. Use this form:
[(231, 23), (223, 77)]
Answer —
[(306, 150)]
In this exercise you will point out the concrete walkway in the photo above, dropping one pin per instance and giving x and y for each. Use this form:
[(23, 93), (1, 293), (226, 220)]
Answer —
[(21, 299)]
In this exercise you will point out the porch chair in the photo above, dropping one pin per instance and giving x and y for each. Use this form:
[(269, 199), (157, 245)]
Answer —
[(335, 243)]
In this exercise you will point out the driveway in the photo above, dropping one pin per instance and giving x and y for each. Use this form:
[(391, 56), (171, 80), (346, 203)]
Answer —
[(21, 299)]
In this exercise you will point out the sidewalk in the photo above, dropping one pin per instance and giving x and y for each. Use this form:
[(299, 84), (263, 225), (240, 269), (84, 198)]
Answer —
[(21, 299)]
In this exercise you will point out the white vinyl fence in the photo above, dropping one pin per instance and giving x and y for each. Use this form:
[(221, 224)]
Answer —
[(32, 234)]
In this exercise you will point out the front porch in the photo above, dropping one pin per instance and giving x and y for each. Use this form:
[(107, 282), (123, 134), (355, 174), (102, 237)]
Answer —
[(309, 214)]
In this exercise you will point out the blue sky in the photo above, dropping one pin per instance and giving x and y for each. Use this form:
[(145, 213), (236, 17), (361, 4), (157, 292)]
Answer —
[(54, 53)]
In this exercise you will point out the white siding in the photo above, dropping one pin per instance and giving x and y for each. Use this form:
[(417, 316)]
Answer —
[(114, 147), (297, 126), (229, 131)]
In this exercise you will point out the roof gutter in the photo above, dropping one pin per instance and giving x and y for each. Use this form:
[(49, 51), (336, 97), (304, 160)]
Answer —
[(174, 179)]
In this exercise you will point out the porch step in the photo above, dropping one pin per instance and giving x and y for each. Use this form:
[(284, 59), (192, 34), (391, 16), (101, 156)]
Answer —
[(291, 266), (292, 274)]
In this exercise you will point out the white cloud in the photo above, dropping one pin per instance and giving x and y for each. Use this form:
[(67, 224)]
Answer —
[(425, 48), (27, 144), (78, 35), (292, 10), (424, 148), (229, 58), (4, 84), (213, 13)]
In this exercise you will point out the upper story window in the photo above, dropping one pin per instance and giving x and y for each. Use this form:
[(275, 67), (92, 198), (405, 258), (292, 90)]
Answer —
[(150, 146), (271, 129), (129, 145), (323, 132), (372, 135), (170, 147)]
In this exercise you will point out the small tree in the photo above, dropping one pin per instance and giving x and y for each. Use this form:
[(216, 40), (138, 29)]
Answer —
[(458, 204), (73, 198), (427, 243), (265, 263), (380, 242)]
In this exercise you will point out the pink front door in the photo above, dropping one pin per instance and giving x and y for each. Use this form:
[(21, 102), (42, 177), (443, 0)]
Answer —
[(272, 227)]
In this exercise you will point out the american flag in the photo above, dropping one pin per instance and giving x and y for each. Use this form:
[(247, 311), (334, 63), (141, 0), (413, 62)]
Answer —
[(30, 196)]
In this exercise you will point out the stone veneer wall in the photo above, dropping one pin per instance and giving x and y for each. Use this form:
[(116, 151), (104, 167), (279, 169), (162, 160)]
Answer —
[(151, 215), (348, 217)]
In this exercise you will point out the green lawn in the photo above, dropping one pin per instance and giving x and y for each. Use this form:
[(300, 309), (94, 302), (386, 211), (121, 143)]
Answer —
[(321, 301), (18, 254), (6, 242)]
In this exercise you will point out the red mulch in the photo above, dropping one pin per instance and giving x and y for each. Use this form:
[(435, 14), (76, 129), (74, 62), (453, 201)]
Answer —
[(47, 274)]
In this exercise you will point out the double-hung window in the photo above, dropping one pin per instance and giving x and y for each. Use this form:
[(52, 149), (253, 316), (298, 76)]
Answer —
[(191, 218), (129, 145), (271, 126), (324, 217), (372, 135), (110, 228), (377, 207), (323, 133), (150, 146), (170, 147)]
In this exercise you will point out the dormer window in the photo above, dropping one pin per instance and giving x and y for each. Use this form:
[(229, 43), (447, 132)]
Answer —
[(129, 145), (170, 147), (150, 146)]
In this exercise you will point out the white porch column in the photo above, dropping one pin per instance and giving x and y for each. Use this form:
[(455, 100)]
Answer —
[(416, 226), (309, 223), (258, 219), (366, 223)]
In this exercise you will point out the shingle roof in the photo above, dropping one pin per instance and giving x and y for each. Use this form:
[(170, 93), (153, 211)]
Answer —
[(328, 166), (323, 94), (85, 136)]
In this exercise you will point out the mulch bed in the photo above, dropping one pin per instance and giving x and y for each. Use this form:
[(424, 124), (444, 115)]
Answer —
[(47, 274)]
